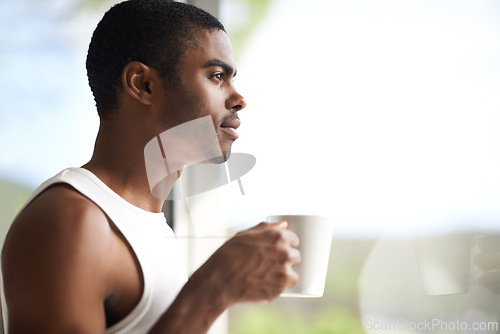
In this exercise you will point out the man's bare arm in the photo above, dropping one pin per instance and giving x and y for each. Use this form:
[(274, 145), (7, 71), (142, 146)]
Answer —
[(55, 262), (254, 266), (58, 261)]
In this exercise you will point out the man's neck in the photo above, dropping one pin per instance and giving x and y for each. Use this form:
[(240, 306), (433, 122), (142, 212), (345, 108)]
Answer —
[(118, 160)]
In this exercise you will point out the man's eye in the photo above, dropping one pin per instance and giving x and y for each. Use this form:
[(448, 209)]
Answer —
[(218, 76)]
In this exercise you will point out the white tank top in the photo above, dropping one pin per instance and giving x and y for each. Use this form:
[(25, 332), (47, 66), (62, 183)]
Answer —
[(151, 239)]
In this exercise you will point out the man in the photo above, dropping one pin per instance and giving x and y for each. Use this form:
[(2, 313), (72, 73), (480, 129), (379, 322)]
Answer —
[(90, 252)]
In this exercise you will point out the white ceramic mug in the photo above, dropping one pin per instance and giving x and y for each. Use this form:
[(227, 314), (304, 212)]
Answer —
[(315, 235)]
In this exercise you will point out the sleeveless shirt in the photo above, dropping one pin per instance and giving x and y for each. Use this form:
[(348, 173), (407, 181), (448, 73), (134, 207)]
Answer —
[(150, 238)]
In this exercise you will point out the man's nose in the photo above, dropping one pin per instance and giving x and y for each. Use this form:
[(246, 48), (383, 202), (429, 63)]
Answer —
[(236, 102)]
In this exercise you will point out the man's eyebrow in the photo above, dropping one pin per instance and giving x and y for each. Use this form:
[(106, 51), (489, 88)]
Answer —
[(225, 66)]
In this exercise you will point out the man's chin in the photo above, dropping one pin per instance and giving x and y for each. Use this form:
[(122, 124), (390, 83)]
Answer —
[(219, 159)]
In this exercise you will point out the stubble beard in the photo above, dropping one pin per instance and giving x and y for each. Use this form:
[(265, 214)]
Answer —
[(218, 160), (191, 107)]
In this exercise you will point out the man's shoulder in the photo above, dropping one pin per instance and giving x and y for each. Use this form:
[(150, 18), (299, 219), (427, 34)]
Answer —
[(57, 252), (60, 203), (61, 216)]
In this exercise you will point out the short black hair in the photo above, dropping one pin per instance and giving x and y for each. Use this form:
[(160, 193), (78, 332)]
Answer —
[(154, 32)]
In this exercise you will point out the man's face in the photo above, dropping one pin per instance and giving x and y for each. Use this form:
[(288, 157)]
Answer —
[(206, 88)]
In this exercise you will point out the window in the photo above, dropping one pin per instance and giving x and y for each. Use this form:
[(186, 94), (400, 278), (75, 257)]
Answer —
[(382, 115)]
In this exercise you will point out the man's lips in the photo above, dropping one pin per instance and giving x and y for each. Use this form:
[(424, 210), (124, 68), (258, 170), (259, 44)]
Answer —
[(233, 122), (229, 127)]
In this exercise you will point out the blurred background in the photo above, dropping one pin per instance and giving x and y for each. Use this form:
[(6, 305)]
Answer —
[(383, 115)]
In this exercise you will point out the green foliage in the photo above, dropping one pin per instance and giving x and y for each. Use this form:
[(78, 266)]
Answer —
[(12, 198), (94, 5), (337, 312), (336, 320), (256, 11), (258, 320), (267, 320)]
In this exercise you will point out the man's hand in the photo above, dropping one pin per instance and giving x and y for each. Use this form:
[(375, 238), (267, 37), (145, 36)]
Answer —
[(256, 264), (488, 259)]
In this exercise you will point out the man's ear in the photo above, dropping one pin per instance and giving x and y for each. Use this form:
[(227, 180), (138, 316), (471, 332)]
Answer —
[(137, 80)]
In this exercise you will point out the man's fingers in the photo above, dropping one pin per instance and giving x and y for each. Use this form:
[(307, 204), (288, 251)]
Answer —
[(270, 252), (284, 232), (265, 225), (293, 279), (295, 257), (292, 238), (282, 224)]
